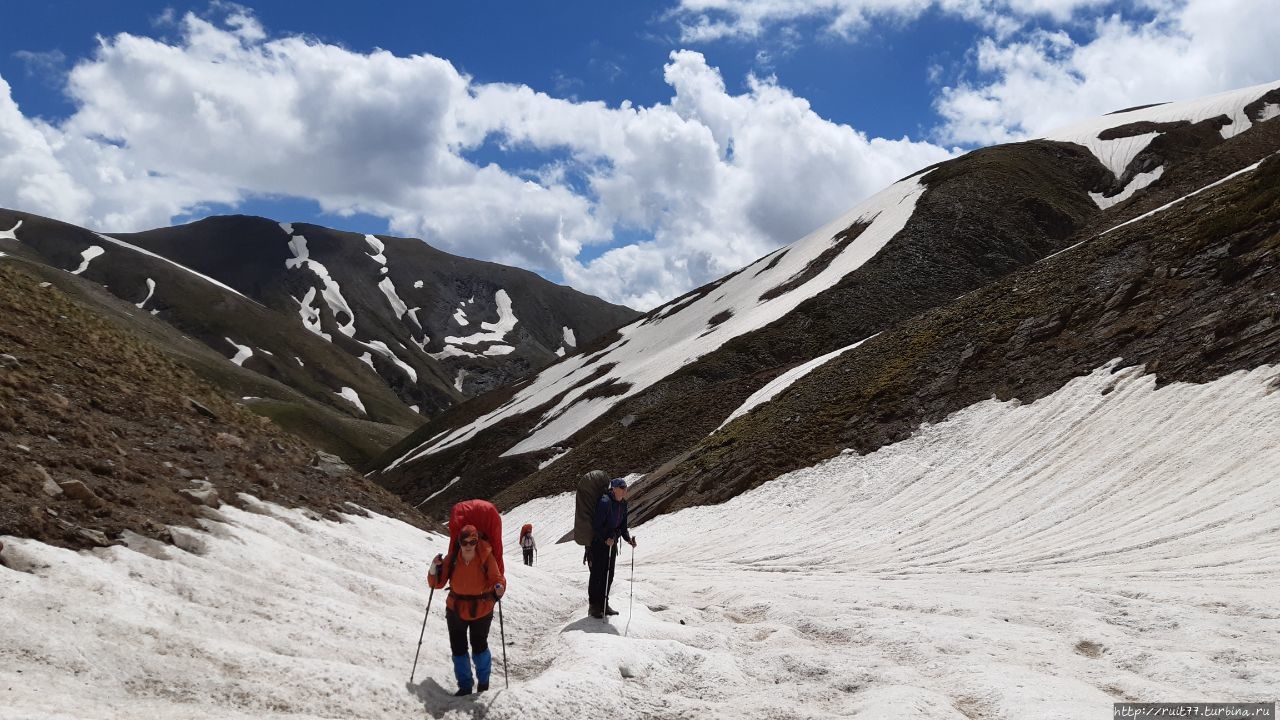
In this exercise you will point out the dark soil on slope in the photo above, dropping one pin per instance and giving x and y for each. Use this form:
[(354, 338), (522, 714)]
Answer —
[(100, 433)]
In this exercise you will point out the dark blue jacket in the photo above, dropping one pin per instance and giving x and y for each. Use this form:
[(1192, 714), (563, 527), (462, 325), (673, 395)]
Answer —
[(610, 520)]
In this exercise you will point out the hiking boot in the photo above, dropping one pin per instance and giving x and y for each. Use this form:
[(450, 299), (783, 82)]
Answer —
[(608, 609), (482, 687), (596, 612), (462, 691)]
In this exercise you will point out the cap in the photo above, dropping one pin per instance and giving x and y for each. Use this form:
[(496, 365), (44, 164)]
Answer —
[(618, 483)]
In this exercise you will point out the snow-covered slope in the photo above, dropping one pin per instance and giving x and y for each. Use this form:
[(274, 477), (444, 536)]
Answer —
[(680, 332), (1108, 542)]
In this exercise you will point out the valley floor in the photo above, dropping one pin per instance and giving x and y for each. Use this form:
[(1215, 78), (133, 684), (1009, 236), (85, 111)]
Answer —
[(1110, 542)]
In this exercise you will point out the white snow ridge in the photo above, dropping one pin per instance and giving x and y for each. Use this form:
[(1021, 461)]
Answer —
[(1108, 541)]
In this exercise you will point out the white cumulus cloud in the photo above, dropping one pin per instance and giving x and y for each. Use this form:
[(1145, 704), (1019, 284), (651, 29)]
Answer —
[(1032, 84), (707, 181)]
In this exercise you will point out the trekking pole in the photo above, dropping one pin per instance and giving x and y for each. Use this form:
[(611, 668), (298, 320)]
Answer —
[(421, 635), (631, 604), (502, 634), (608, 586)]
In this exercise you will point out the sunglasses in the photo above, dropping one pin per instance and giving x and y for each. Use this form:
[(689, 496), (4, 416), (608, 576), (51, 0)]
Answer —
[(473, 541)]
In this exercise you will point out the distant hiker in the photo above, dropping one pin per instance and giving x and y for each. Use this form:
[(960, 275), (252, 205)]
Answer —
[(527, 543), (476, 582), (608, 524)]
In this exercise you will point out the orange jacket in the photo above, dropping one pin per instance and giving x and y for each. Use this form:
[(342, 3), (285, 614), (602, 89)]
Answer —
[(471, 592)]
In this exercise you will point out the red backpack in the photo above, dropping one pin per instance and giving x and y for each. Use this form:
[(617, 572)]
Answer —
[(488, 522)]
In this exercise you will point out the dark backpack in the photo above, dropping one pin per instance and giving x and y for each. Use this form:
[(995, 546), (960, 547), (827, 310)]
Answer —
[(590, 488)]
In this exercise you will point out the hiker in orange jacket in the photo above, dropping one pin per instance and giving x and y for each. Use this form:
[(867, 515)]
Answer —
[(476, 583)]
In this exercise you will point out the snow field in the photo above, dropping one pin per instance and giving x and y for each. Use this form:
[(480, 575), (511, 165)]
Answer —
[(1111, 541)]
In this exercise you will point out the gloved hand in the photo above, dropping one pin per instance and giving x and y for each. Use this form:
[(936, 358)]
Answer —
[(632, 541), (436, 564), (498, 590)]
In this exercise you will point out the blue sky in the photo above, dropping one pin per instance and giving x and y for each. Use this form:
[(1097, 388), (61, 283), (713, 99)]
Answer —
[(632, 150)]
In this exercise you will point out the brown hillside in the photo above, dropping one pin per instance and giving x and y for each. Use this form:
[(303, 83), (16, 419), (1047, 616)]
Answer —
[(101, 433)]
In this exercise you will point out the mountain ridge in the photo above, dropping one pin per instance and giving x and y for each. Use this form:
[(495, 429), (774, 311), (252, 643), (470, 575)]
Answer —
[(383, 329), (656, 429)]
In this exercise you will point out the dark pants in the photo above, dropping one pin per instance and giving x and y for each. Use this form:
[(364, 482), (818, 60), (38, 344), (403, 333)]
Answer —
[(528, 556), (458, 633), (602, 561)]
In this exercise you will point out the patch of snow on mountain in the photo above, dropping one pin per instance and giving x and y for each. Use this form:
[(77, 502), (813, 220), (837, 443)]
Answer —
[(243, 352), (450, 351), (417, 284), (367, 359), (1168, 205), (287, 228), (413, 313), (381, 348), (1269, 111), (414, 408), (1117, 154), (570, 340), (460, 317), (547, 463), (774, 387), (331, 292), (560, 351), (11, 233), (87, 256), (378, 247), (498, 350), (299, 361), (447, 485), (457, 382), (495, 331), (352, 397), (388, 289), (151, 290), (184, 268), (1158, 210), (310, 314), (651, 349), (1139, 181)]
